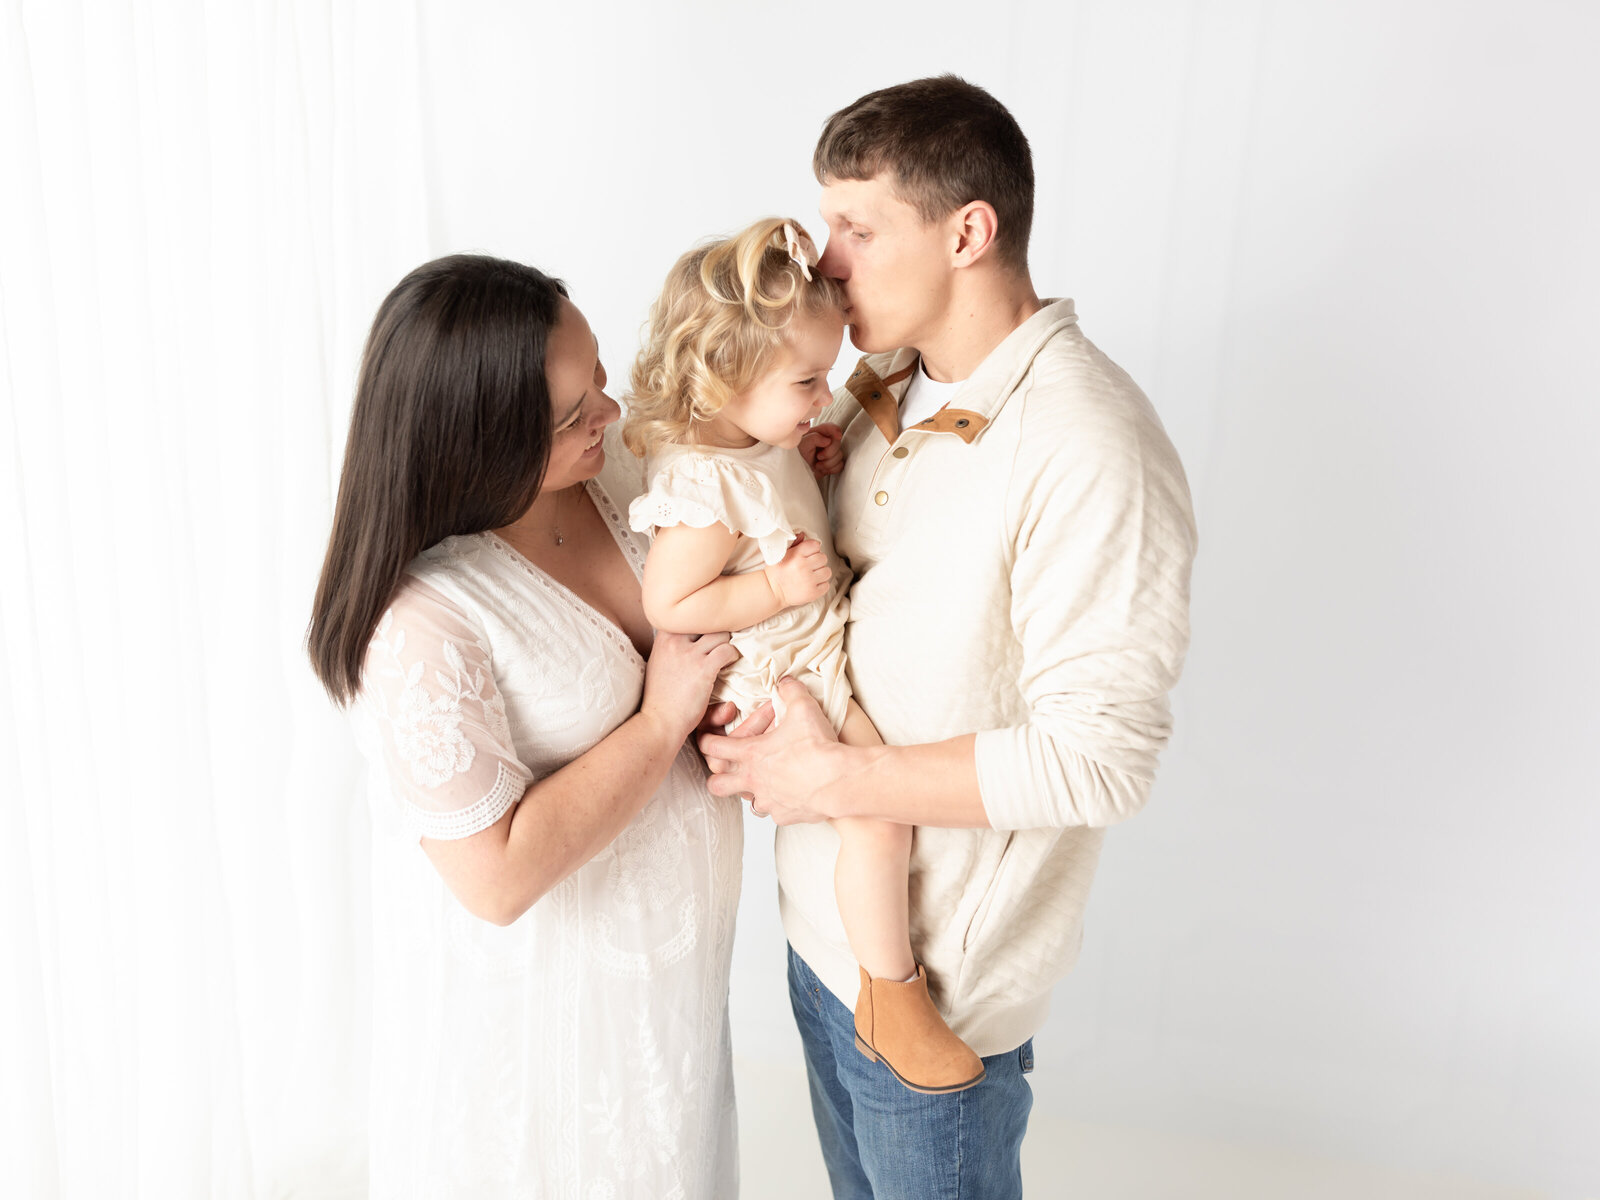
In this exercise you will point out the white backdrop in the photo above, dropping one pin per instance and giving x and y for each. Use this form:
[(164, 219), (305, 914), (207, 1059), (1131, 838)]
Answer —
[(1349, 249)]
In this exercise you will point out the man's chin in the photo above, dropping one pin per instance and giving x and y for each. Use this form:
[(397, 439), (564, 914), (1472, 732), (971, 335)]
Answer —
[(863, 341)]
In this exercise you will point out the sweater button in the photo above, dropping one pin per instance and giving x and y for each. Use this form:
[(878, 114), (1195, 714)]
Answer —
[(901, 452), (882, 498), (962, 424)]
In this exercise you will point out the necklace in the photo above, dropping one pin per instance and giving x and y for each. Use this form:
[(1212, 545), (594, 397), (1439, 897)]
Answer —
[(555, 524)]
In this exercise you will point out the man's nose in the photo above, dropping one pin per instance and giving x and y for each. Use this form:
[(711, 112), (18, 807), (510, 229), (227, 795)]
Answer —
[(831, 263)]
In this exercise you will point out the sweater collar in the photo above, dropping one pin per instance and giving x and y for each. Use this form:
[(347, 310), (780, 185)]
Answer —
[(880, 380)]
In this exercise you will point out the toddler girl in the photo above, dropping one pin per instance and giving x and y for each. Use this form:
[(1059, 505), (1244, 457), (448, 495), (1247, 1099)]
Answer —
[(734, 369)]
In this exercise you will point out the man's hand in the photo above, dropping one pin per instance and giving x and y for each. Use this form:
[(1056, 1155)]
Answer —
[(823, 449), (785, 770), (759, 721)]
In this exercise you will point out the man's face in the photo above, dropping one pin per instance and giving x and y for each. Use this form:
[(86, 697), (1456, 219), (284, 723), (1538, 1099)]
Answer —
[(895, 267)]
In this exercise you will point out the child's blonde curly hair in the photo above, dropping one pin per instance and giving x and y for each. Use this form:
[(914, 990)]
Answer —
[(716, 327)]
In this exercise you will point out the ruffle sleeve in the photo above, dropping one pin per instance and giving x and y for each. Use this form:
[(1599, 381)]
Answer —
[(700, 490), (442, 735)]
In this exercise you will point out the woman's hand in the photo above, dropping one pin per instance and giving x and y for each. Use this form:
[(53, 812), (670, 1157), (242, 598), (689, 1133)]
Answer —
[(802, 574), (678, 678)]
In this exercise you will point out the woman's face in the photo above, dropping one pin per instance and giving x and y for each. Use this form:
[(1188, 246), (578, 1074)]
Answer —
[(579, 407)]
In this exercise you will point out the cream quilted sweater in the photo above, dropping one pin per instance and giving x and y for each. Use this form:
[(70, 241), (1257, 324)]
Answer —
[(1022, 570)]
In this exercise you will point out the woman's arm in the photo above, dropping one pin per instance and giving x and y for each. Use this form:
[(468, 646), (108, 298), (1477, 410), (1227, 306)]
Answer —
[(685, 590), (568, 817)]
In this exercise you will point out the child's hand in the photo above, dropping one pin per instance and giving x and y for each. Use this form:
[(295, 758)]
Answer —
[(823, 449), (801, 575)]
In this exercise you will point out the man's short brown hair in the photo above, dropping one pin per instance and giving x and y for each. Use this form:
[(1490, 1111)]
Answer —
[(943, 142)]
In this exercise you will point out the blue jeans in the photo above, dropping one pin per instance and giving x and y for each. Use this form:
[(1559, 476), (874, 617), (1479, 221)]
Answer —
[(882, 1141)]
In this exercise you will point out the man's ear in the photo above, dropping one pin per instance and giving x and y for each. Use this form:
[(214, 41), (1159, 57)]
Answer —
[(974, 226)]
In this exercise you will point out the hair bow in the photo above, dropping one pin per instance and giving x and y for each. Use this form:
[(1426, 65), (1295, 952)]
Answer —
[(801, 249)]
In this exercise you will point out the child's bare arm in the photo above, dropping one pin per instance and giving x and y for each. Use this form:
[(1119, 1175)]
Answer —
[(685, 590)]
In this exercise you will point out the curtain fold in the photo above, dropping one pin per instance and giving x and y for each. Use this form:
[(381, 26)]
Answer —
[(204, 204)]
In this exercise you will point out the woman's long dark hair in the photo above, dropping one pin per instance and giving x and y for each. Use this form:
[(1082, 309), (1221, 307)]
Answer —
[(450, 434)]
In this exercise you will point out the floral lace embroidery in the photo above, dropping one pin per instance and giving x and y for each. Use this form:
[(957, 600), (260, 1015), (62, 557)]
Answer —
[(643, 876), (427, 729), (640, 1148), (427, 732)]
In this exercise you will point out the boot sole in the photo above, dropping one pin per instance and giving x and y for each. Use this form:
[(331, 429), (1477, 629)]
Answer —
[(917, 1087)]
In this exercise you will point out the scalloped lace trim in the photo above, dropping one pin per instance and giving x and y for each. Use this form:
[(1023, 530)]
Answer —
[(464, 822), (619, 525)]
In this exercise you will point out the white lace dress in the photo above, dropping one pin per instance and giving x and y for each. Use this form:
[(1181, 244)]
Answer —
[(581, 1051)]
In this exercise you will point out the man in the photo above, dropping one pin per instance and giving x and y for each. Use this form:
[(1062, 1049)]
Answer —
[(1020, 530)]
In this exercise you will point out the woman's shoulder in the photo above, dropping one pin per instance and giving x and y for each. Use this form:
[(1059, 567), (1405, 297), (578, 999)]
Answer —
[(436, 590), (421, 602), (622, 477), (450, 555), (422, 623)]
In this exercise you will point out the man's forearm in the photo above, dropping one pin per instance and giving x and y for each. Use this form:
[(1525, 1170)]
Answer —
[(933, 784)]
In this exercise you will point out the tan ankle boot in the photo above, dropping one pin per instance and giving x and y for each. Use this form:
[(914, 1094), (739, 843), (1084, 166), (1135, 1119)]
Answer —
[(897, 1024)]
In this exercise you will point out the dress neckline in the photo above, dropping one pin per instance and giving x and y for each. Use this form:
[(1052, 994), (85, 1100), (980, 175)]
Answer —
[(620, 534)]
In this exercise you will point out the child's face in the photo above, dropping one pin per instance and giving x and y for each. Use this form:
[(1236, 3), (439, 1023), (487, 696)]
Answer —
[(778, 407)]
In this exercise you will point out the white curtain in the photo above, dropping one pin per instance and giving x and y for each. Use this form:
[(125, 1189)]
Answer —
[(202, 204), (1349, 251)]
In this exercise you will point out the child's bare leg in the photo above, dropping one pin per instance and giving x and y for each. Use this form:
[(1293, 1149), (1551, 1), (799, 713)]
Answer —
[(870, 879), (896, 1020)]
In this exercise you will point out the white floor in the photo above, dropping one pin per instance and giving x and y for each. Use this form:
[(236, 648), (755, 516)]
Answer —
[(779, 1160)]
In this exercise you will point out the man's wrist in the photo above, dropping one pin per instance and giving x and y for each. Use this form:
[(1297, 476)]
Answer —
[(845, 769)]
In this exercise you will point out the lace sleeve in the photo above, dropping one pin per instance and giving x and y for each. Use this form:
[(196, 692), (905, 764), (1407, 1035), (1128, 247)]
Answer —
[(442, 733)]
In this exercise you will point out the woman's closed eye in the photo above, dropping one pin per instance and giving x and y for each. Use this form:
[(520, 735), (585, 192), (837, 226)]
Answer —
[(572, 421)]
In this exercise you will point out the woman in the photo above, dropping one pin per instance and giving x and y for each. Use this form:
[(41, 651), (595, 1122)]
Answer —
[(553, 888)]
